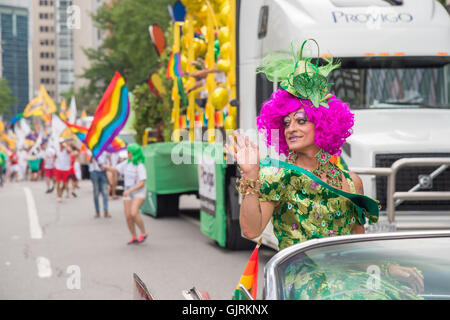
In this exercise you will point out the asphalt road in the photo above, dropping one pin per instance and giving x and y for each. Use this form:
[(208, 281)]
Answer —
[(51, 250)]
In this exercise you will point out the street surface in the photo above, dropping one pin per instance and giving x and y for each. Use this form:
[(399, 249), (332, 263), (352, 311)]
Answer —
[(51, 250)]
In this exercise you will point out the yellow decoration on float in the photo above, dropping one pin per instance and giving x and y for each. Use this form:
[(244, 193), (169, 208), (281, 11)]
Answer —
[(230, 123), (220, 98), (224, 35), (224, 65)]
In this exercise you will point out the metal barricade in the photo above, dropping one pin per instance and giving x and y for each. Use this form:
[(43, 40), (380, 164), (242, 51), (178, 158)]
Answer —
[(394, 198)]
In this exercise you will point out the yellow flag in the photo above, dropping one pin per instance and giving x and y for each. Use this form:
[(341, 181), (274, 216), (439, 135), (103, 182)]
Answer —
[(63, 110), (40, 106)]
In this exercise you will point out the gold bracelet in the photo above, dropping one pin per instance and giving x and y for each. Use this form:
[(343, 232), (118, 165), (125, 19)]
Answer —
[(247, 186)]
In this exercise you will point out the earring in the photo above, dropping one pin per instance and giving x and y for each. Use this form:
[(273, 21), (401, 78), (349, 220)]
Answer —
[(328, 167)]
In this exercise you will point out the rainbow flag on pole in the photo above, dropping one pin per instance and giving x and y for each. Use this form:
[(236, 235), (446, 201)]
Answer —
[(77, 130), (249, 278), (111, 116), (174, 66), (116, 145)]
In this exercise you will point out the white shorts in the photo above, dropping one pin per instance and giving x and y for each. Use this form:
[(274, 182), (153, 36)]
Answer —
[(140, 193)]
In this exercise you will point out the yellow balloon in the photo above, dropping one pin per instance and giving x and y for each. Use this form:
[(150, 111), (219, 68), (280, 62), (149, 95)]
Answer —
[(225, 50), (225, 14), (230, 123), (200, 47), (184, 63), (224, 35), (224, 65), (197, 47), (219, 98), (203, 47)]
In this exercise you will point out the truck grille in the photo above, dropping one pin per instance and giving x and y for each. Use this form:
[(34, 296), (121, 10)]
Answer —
[(408, 177)]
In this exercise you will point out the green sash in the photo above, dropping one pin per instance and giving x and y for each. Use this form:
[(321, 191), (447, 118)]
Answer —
[(361, 202)]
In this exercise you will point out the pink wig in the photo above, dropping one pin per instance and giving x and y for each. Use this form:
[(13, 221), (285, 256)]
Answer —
[(333, 125)]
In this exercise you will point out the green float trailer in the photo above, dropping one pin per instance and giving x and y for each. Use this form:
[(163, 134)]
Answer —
[(175, 169)]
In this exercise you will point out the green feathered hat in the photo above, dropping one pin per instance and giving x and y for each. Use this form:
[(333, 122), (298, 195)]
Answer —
[(298, 75)]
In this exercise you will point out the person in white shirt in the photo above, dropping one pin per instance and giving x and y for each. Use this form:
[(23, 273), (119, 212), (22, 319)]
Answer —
[(135, 177), (99, 182), (62, 168), (23, 164), (49, 166)]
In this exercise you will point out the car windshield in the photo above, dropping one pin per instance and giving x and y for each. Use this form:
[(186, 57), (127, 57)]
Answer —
[(420, 83), (404, 269)]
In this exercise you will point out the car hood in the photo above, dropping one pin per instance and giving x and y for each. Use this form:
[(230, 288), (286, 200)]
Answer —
[(402, 130)]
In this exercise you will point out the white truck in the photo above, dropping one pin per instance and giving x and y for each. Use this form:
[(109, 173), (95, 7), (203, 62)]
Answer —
[(395, 75)]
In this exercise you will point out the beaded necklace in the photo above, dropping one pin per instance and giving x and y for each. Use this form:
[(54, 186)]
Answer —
[(327, 165)]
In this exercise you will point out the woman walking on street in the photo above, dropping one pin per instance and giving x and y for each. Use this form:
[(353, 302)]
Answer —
[(135, 177), (99, 182)]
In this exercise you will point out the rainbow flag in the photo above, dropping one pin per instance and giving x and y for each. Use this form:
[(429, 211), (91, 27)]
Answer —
[(77, 130), (249, 278), (116, 145), (110, 117), (174, 66)]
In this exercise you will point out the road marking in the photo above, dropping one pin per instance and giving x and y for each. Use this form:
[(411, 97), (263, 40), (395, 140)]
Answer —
[(44, 268), (35, 228)]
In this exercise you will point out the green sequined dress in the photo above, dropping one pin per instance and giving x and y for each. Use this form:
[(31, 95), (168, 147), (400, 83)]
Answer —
[(307, 208)]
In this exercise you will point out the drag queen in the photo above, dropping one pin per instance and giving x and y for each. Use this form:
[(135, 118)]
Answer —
[(309, 195)]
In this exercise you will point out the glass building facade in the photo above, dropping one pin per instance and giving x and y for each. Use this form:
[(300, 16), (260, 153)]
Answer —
[(14, 44)]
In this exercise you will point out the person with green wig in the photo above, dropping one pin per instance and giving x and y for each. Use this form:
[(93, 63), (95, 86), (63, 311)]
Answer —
[(135, 175)]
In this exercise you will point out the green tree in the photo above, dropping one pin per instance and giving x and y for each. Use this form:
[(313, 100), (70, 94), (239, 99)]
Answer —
[(6, 97), (127, 47), (152, 111)]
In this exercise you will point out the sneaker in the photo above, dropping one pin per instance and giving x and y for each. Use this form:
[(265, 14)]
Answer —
[(142, 237), (107, 215), (133, 241), (74, 194)]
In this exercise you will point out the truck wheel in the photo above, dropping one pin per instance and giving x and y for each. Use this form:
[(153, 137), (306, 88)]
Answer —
[(233, 233)]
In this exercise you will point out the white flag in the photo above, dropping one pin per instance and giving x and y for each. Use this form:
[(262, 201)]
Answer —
[(73, 111), (25, 127), (58, 127)]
